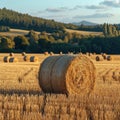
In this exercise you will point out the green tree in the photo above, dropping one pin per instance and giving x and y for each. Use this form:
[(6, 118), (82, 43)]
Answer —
[(7, 43), (21, 42), (33, 36), (105, 31)]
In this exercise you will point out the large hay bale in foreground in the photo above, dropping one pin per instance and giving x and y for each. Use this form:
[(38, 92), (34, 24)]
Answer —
[(33, 59), (6, 58), (13, 59), (26, 58), (68, 74)]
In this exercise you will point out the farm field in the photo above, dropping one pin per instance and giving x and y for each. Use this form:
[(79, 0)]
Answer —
[(84, 32), (21, 97), (15, 32)]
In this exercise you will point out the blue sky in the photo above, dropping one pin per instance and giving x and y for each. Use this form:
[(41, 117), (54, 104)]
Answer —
[(98, 11)]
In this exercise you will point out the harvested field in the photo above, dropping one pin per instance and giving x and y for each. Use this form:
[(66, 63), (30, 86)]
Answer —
[(84, 32), (16, 32), (21, 97)]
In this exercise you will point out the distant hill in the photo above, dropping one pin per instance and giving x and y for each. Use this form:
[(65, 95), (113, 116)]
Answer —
[(87, 23)]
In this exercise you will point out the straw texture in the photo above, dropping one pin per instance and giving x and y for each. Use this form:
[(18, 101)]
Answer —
[(68, 74)]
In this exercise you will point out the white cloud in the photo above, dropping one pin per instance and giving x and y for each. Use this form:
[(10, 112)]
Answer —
[(111, 3), (60, 9)]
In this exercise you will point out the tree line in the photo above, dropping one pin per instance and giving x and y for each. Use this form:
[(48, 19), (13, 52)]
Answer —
[(39, 43), (4, 28)]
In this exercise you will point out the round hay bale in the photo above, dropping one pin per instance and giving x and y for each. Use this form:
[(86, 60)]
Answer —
[(109, 58), (51, 53), (46, 53), (87, 53), (13, 59), (11, 54), (23, 54), (6, 58), (68, 74), (33, 59), (80, 53), (90, 54), (26, 58), (104, 56), (99, 58), (61, 53)]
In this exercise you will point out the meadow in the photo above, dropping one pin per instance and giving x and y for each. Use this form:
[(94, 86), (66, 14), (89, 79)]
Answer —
[(16, 32), (19, 32), (84, 32), (21, 97)]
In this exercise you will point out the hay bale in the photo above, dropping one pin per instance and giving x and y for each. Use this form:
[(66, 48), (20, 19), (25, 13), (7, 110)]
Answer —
[(80, 53), (109, 58), (87, 53), (26, 58), (46, 53), (104, 56), (90, 54), (13, 59), (6, 58), (23, 54), (99, 58), (68, 74), (33, 59), (61, 53), (11, 54), (51, 53)]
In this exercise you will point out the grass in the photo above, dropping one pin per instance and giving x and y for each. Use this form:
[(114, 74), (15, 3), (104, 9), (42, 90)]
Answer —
[(21, 97), (16, 32), (84, 32)]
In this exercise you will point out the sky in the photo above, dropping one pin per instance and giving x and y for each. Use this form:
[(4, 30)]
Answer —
[(68, 11)]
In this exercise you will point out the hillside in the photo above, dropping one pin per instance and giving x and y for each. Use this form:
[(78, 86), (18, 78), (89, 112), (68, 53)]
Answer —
[(17, 20)]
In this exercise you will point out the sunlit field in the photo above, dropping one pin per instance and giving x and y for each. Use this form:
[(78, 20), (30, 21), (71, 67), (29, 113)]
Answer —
[(21, 97), (84, 32)]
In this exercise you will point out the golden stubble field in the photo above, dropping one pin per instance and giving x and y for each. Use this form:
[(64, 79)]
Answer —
[(21, 97), (84, 32)]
